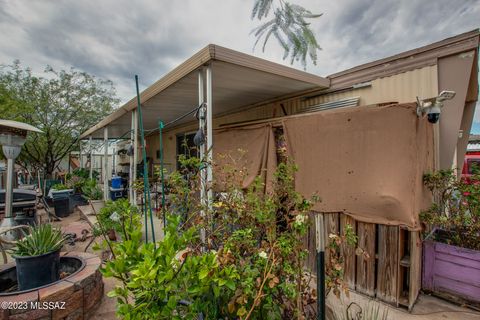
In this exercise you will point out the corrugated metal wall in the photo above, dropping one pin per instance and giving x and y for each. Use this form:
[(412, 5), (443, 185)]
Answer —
[(403, 87)]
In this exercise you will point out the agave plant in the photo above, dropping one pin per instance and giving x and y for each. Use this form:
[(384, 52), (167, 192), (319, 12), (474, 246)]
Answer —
[(41, 240)]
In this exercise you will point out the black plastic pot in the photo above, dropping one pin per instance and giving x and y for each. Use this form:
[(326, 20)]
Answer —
[(62, 205), (37, 271), (77, 199)]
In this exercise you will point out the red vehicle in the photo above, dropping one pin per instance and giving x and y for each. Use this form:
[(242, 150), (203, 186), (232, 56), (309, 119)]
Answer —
[(472, 160)]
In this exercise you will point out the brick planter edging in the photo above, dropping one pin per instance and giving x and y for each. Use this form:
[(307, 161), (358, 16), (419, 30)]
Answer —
[(82, 293)]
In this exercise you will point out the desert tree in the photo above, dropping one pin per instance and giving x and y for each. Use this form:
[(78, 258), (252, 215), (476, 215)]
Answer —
[(63, 104), (287, 23)]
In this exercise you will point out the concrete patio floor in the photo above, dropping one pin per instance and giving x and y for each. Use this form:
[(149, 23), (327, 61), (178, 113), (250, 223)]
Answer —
[(426, 308)]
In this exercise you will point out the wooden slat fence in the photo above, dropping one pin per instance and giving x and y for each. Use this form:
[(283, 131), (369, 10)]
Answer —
[(389, 270)]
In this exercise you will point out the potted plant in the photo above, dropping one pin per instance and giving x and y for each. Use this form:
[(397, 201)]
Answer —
[(92, 192), (76, 183), (37, 257), (451, 255)]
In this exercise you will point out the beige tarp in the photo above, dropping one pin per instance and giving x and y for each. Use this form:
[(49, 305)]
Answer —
[(250, 149), (367, 162)]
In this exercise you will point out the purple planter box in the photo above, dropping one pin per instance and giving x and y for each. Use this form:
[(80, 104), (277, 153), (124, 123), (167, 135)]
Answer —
[(451, 271)]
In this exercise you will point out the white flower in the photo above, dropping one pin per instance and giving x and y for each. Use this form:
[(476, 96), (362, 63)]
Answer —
[(300, 219), (263, 254)]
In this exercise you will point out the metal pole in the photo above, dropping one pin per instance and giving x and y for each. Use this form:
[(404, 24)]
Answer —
[(9, 189), (160, 132), (80, 155), (91, 156), (209, 136), (114, 157), (203, 172), (130, 158), (320, 244), (135, 152), (146, 186), (11, 153), (105, 164)]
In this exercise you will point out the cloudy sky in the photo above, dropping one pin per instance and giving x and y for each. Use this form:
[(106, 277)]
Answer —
[(115, 39)]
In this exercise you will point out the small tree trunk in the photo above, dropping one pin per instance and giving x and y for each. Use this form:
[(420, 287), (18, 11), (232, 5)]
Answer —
[(49, 168)]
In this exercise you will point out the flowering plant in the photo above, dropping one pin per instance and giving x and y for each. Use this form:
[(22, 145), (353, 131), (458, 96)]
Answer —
[(455, 212)]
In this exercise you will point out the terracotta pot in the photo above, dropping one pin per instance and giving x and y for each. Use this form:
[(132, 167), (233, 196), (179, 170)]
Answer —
[(111, 235)]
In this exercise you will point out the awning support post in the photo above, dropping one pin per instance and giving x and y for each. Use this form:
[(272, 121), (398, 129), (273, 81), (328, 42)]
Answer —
[(114, 159), (105, 163), (132, 170), (91, 157), (209, 136), (162, 178), (201, 125), (320, 246)]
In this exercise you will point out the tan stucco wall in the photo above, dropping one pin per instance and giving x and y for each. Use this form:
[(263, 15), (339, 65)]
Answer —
[(402, 88)]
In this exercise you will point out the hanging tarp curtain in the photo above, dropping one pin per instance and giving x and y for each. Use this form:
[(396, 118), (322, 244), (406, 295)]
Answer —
[(367, 162), (249, 150)]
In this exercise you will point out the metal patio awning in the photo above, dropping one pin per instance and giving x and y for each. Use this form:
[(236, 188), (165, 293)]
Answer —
[(238, 80)]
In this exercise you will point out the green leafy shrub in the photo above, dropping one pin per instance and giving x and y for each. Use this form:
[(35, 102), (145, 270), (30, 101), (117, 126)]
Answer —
[(83, 173), (79, 177), (59, 186), (243, 257), (118, 215), (91, 190), (456, 208), (41, 240), (157, 277)]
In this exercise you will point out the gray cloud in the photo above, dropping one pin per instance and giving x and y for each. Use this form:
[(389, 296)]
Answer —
[(115, 39)]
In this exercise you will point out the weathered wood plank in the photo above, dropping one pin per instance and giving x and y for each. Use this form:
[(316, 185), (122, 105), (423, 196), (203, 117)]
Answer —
[(309, 244), (387, 267), (365, 280), (454, 251), (428, 265), (403, 272), (451, 272), (415, 268), (455, 271), (348, 252), (458, 292), (332, 225)]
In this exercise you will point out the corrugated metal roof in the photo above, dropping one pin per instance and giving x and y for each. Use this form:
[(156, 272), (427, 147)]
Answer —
[(239, 80)]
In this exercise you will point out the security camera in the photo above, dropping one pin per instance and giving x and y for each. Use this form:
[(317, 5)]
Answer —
[(432, 107)]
